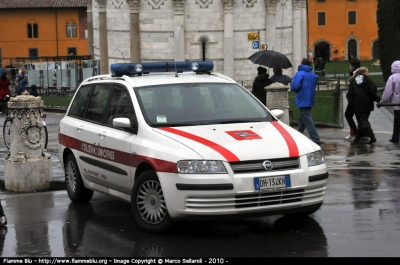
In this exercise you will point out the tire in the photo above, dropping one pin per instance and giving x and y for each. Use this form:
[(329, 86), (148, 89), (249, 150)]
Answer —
[(75, 188), (6, 132), (148, 205)]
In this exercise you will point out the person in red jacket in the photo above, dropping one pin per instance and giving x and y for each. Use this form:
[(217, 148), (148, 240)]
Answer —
[(4, 86), (4, 90)]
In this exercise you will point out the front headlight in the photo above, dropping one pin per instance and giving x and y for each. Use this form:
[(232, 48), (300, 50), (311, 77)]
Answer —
[(316, 158), (201, 167)]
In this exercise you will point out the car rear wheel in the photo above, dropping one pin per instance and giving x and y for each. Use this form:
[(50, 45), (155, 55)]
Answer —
[(75, 188), (148, 204)]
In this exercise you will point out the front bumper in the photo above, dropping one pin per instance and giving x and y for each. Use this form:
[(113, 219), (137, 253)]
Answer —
[(190, 195)]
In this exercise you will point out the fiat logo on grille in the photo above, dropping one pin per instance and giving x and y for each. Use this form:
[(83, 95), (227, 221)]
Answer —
[(268, 165)]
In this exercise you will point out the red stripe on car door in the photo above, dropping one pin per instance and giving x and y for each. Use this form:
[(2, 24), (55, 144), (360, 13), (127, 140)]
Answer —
[(121, 157)]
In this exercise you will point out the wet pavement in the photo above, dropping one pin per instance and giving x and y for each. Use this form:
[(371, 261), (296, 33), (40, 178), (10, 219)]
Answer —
[(360, 216)]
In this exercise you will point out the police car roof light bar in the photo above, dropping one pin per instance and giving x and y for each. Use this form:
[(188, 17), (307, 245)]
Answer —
[(120, 69)]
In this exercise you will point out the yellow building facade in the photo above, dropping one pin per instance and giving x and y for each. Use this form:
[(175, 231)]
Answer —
[(339, 30), (42, 31)]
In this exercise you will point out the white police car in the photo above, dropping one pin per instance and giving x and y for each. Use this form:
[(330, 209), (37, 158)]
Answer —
[(179, 144)]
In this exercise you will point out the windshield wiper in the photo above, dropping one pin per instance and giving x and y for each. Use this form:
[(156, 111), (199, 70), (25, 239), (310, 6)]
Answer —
[(158, 125), (233, 121)]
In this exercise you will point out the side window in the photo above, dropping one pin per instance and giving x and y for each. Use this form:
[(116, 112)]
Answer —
[(78, 105), (98, 102), (120, 105)]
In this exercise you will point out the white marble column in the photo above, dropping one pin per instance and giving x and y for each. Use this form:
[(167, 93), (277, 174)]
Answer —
[(134, 30), (103, 39), (179, 34), (270, 28), (304, 29), (296, 34), (90, 29), (228, 38)]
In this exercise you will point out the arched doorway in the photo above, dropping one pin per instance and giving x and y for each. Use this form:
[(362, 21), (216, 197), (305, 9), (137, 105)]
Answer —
[(375, 50), (204, 42), (352, 49), (321, 49)]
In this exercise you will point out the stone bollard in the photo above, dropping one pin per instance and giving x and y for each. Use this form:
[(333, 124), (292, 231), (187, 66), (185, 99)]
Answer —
[(278, 98), (27, 167)]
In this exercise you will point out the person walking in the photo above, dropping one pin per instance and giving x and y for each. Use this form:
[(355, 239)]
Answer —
[(21, 84), (4, 90), (279, 77), (3, 218), (349, 112), (362, 94), (260, 82), (391, 94), (4, 86), (304, 83)]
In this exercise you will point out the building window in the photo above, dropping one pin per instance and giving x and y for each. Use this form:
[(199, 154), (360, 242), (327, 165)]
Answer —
[(33, 52), (351, 0), (320, 1), (71, 29), (352, 17), (72, 51), (33, 30), (321, 19)]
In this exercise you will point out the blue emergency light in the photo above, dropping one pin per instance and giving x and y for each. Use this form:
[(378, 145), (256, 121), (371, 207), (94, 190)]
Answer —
[(120, 69)]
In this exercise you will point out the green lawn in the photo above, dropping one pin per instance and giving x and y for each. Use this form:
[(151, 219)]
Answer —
[(344, 67), (56, 101), (323, 110), (340, 68)]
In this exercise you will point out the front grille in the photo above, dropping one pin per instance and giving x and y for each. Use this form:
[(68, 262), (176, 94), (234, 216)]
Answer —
[(255, 199), (257, 166), (271, 198)]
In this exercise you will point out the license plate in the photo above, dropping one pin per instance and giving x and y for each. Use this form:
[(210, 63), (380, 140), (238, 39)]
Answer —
[(272, 182)]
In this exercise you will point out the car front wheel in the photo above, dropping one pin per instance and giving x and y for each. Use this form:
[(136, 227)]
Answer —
[(148, 204), (75, 188)]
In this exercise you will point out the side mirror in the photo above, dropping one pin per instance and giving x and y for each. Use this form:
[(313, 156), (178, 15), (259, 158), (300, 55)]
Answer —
[(277, 113), (122, 122)]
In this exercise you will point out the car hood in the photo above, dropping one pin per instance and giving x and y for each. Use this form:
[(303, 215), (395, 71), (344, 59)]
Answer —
[(242, 142)]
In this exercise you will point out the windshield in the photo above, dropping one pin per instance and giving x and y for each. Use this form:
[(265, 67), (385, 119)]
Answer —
[(199, 103)]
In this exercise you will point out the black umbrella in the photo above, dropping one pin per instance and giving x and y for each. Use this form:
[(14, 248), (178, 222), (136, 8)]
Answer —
[(271, 59)]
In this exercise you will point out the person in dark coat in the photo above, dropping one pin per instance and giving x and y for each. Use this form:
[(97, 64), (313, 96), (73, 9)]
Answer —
[(280, 78), (362, 94), (260, 82), (349, 113), (34, 91)]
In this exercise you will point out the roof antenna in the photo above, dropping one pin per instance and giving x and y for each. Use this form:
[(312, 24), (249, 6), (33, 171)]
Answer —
[(176, 71)]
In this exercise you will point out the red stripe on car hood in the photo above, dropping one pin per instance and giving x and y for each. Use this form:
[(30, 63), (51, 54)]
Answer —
[(293, 149), (230, 157)]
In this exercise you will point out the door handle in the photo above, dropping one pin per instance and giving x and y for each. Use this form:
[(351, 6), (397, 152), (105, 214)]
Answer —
[(102, 134), (80, 128)]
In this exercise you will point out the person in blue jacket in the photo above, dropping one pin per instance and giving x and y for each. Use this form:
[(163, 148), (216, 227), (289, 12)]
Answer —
[(304, 83), (21, 84)]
